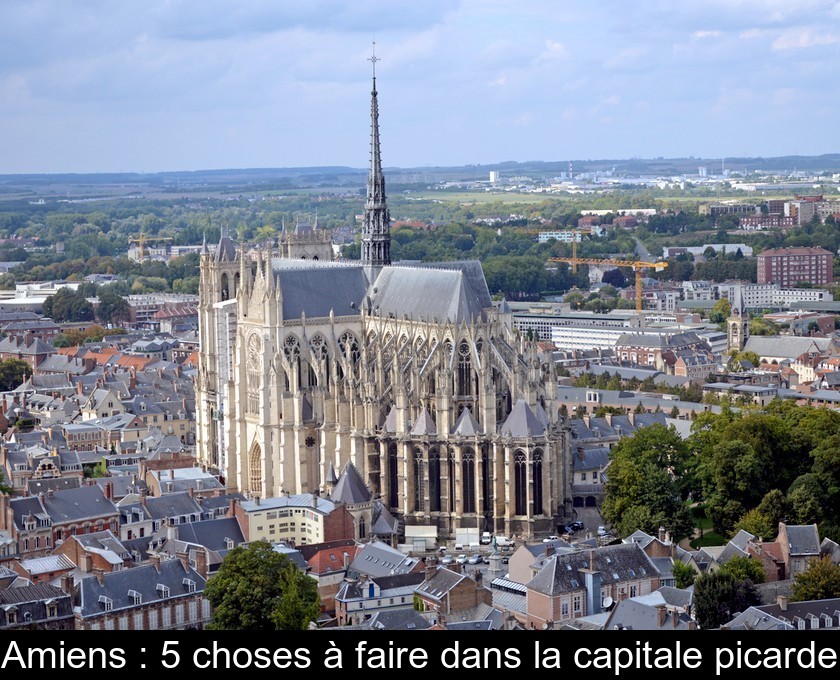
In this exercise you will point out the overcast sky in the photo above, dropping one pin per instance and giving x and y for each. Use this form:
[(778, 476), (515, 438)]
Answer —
[(150, 85)]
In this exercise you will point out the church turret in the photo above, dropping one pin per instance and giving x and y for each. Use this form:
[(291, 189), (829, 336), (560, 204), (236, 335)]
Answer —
[(376, 231), (738, 323)]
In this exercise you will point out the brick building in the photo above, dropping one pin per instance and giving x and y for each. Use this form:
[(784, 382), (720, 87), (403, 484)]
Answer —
[(791, 266)]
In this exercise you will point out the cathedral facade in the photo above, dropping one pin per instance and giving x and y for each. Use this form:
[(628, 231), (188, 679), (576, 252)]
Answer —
[(411, 373)]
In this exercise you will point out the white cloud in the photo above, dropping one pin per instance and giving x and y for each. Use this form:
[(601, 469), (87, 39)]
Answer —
[(554, 51), (700, 35), (804, 38)]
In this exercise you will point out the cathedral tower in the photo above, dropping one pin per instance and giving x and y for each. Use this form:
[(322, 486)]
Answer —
[(376, 230)]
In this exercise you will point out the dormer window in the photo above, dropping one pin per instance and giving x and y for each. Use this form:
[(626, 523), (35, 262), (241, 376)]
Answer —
[(135, 597), (229, 543), (106, 602), (162, 590), (190, 584)]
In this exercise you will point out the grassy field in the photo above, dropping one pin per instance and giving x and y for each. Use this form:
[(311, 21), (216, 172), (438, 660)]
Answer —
[(708, 536)]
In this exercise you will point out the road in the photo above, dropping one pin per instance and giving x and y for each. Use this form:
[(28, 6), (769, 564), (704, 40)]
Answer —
[(643, 253)]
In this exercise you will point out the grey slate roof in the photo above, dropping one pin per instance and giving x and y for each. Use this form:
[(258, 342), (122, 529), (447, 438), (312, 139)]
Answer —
[(616, 563), (68, 505), (317, 289), (823, 613), (741, 539), (594, 458), (226, 250), (211, 533), (677, 597), (398, 619), (466, 425), (350, 487), (831, 549), (634, 615), (143, 580), (379, 559), (804, 539), (455, 291), (522, 422), (172, 505), (440, 584), (786, 346), (424, 425)]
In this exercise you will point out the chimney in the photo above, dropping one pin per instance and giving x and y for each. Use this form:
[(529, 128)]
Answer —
[(67, 584), (50, 492), (100, 576), (549, 549), (201, 562), (190, 491), (782, 601), (675, 619), (185, 559), (661, 614), (155, 560), (171, 532), (231, 512), (431, 567), (477, 575), (662, 534), (109, 490), (346, 560)]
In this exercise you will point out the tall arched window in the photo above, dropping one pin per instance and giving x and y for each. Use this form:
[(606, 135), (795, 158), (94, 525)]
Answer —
[(434, 480), (418, 480), (464, 370), (468, 480), (393, 491), (255, 470), (520, 478), (485, 480), (451, 482), (225, 290), (536, 473), (362, 527)]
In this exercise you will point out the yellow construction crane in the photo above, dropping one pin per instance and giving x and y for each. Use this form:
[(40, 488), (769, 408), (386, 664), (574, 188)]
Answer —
[(143, 239), (636, 266)]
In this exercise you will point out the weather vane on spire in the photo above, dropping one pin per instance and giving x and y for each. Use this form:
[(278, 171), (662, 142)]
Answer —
[(373, 58)]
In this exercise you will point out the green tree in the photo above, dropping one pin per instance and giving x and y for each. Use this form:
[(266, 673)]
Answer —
[(68, 305), (757, 523), (12, 373), (721, 311), (645, 485), (250, 588), (113, 308), (745, 569), (718, 596), (820, 581), (684, 574), (761, 326)]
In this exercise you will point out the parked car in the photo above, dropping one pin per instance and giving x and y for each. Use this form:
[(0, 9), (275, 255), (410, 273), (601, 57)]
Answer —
[(442, 549), (602, 530), (447, 559), (487, 559), (551, 538), (577, 525), (505, 559), (475, 559), (461, 559)]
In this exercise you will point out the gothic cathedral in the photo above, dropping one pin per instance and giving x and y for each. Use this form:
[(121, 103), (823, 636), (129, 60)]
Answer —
[(409, 372)]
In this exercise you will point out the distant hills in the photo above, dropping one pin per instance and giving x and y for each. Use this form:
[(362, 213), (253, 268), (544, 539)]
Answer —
[(337, 176)]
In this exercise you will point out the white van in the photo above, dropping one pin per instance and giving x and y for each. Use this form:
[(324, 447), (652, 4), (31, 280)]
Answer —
[(459, 547), (475, 546)]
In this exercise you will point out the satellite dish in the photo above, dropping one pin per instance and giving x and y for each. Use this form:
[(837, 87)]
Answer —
[(608, 602)]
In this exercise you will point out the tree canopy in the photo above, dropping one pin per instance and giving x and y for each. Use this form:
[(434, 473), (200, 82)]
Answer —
[(820, 581), (644, 485), (12, 373), (258, 589), (719, 595)]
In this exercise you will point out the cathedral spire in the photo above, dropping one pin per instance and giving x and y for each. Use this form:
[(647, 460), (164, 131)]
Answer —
[(376, 230)]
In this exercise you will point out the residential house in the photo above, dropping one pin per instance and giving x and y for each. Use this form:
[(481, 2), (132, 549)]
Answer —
[(162, 595), (527, 560), (28, 348), (297, 519), (449, 593), (785, 615), (205, 543), (359, 599), (42, 606), (98, 551), (46, 569), (577, 584), (328, 563), (648, 612), (800, 546)]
